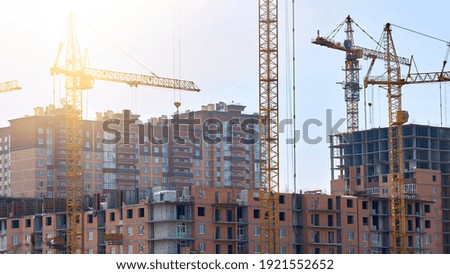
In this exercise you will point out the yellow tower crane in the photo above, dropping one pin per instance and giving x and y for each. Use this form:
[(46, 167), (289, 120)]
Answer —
[(9, 86), (268, 125), (79, 78), (392, 82)]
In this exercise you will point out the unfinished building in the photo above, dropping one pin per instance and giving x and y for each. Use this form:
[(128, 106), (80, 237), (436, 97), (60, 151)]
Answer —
[(360, 166)]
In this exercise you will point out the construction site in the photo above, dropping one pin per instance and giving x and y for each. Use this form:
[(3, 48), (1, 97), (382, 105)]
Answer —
[(210, 180)]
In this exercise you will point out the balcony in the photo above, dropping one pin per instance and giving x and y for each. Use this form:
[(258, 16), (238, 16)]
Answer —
[(114, 238), (181, 218), (172, 236)]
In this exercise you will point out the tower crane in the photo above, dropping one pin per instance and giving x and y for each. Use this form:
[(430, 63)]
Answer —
[(351, 85), (79, 77), (393, 82), (9, 86), (268, 125)]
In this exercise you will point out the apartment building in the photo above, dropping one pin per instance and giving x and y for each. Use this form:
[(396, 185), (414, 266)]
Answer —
[(211, 147), (215, 221), (360, 167)]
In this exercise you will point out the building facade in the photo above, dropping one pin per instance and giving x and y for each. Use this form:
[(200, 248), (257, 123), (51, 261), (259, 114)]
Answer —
[(360, 166)]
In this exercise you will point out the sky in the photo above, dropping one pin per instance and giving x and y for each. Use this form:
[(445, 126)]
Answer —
[(215, 44)]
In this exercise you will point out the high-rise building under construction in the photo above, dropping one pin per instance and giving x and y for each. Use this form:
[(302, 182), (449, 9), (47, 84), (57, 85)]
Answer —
[(191, 184)]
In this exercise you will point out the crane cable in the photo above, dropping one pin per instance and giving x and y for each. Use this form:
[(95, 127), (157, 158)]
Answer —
[(107, 39), (176, 15), (443, 65)]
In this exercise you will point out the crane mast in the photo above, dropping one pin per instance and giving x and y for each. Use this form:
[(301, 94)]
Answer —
[(75, 83), (351, 85), (79, 78), (397, 117), (268, 125)]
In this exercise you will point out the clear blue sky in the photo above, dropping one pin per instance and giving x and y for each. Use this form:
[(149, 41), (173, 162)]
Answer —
[(215, 44)]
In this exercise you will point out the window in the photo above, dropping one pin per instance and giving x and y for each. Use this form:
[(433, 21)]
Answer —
[(200, 211), (48, 221), (15, 240), (40, 130), (349, 203), (156, 149), (130, 249), (141, 248), (156, 170), (257, 231), (256, 248), (316, 237), (112, 216), (315, 221), (427, 208), (40, 163), (350, 219), (350, 236), (41, 141), (427, 224), (351, 250), (282, 216), (15, 224), (365, 237), (256, 213), (90, 236), (201, 229), (330, 204), (434, 178), (364, 205), (129, 214), (90, 219), (202, 247), (130, 231), (330, 220), (141, 230), (28, 223), (141, 212), (330, 237), (282, 199), (427, 240), (365, 220), (217, 249), (282, 233), (282, 250)]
